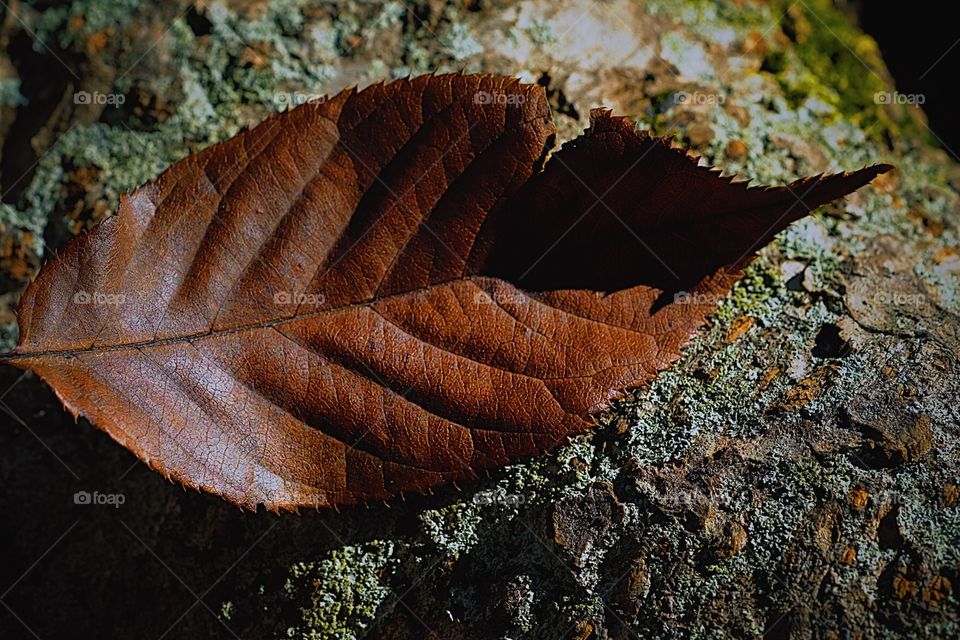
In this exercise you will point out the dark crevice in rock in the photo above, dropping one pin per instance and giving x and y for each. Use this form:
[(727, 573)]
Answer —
[(829, 343), (44, 81), (889, 535)]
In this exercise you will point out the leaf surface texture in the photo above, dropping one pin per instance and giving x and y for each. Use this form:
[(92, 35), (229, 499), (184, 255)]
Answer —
[(387, 290)]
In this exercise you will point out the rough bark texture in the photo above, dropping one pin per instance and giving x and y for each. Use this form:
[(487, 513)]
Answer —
[(795, 473)]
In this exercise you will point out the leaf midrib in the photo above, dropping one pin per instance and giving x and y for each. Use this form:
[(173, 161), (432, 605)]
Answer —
[(15, 355)]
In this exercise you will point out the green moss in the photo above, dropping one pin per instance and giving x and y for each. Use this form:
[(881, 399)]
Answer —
[(842, 66), (12, 218), (752, 295), (452, 529), (542, 32), (687, 55), (459, 42), (355, 583), (10, 95), (708, 17)]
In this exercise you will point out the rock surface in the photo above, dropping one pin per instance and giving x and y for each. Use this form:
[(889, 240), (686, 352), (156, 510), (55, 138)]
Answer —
[(796, 473)]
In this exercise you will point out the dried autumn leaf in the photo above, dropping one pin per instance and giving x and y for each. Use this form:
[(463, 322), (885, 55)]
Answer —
[(380, 292)]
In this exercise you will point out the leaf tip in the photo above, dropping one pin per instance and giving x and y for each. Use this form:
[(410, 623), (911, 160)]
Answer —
[(883, 167)]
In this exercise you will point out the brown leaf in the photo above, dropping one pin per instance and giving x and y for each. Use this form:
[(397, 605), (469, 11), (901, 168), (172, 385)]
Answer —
[(380, 292)]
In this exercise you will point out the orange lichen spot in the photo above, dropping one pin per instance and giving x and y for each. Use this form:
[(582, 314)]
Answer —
[(858, 498), (904, 587), (740, 326), (936, 590), (848, 556)]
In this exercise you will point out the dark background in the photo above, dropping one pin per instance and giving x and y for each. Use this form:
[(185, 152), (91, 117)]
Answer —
[(913, 36)]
